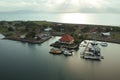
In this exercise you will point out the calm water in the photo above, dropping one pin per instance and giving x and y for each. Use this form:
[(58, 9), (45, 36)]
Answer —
[(23, 61), (101, 19)]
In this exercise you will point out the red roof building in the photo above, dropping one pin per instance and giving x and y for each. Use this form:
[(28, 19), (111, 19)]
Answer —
[(67, 39), (93, 30)]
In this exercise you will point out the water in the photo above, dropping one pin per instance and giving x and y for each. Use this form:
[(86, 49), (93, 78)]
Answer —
[(23, 61), (79, 18)]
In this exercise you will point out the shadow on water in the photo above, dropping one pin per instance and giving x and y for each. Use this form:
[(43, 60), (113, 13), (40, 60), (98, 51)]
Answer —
[(31, 46), (55, 54), (91, 60)]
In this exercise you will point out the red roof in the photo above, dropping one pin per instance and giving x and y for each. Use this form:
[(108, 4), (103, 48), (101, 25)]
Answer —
[(66, 38), (93, 30)]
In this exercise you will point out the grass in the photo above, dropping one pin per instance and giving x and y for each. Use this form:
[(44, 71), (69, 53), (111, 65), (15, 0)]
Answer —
[(3, 30), (42, 22), (116, 35)]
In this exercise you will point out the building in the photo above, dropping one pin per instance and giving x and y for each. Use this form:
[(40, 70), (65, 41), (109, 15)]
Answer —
[(47, 29), (106, 34), (67, 39)]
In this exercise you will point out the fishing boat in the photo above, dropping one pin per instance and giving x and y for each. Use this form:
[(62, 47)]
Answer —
[(55, 51)]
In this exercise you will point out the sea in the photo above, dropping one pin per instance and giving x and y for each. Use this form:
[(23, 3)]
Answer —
[(76, 18)]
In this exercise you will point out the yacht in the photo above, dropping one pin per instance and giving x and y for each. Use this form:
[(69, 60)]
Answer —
[(93, 52)]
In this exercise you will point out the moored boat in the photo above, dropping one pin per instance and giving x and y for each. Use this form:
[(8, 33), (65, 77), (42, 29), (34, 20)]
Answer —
[(94, 43), (55, 51), (92, 52), (67, 53), (104, 44), (90, 55)]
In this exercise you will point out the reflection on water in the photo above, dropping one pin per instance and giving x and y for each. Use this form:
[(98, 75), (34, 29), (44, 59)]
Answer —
[(75, 18), (28, 62), (100, 19)]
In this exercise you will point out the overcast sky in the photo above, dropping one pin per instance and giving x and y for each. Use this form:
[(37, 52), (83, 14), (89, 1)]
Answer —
[(80, 6)]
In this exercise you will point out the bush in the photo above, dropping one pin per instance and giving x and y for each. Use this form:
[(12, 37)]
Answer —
[(85, 29), (30, 35), (10, 29)]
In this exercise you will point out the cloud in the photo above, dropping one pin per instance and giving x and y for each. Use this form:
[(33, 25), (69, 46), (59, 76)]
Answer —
[(82, 6)]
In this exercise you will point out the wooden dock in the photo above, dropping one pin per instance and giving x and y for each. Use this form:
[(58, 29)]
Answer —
[(27, 40)]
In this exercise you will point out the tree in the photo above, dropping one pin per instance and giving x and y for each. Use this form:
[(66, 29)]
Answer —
[(85, 29), (10, 29), (99, 29), (30, 35)]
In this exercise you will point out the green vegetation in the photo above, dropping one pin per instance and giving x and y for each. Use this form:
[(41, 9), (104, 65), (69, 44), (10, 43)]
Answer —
[(79, 31), (3, 29), (10, 29), (85, 29), (116, 35), (30, 34)]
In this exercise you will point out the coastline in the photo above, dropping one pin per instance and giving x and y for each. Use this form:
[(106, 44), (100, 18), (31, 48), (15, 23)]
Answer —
[(41, 41), (28, 41), (111, 41), (14, 29)]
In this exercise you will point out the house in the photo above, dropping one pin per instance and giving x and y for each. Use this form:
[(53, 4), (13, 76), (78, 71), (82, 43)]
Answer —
[(93, 30), (42, 35), (22, 36), (106, 34), (67, 39), (48, 29)]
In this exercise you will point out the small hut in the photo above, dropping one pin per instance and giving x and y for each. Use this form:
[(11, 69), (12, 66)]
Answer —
[(67, 39)]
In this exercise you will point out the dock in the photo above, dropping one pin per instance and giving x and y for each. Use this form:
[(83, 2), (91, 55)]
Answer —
[(27, 40)]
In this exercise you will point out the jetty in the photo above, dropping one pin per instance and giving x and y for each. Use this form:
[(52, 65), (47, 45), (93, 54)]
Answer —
[(28, 40)]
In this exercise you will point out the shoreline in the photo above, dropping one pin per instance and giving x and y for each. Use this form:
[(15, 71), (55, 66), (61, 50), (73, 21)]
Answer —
[(27, 41), (117, 42), (41, 41), (78, 31)]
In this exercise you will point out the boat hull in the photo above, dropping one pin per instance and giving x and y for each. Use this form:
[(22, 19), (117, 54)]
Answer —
[(92, 57), (67, 53), (55, 51)]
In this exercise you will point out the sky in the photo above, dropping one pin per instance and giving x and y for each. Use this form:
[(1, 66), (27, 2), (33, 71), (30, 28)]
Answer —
[(62, 6)]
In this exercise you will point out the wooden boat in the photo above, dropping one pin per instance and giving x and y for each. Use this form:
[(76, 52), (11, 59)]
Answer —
[(55, 51)]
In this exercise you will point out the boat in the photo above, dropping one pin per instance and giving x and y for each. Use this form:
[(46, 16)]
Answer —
[(104, 44), (93, 53), (94, 43), (67, 53), (85, 41), (55, 51), (90, 55)]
